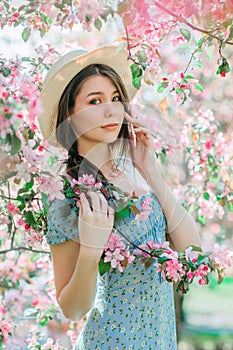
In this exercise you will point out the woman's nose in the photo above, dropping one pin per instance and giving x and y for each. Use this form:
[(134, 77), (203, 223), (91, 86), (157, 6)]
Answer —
[(109, 109)]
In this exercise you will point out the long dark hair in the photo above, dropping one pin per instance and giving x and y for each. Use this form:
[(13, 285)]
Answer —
[(76, 164)]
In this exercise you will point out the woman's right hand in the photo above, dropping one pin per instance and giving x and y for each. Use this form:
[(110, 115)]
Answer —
[(95, 221)]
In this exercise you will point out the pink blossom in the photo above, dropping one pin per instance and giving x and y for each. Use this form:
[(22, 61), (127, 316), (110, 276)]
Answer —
[(178, 40), (33, 237), (208, 144), (146, 210), (157, 245), (5, 127), (115, 242), (6, 329), (4, 220), (222, 256), (33, 341), (173, 270), (23, 172), (128, 256), (202, 271), (114, 257), (189, 275), (72, 335), (202, 281), (52, 186), (9, 270), (13, 209), (190, 254)]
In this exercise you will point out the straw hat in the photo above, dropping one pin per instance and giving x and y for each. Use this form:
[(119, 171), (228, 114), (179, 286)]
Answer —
[(63, 71)]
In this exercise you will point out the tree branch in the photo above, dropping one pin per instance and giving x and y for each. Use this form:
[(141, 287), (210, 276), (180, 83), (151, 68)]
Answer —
[(183, 20), (24, 248)]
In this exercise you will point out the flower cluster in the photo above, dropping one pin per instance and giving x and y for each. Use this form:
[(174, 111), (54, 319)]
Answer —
[(6, 325), (209, 159), (181, 268), (123, 202), (116, 254), (180, 85)]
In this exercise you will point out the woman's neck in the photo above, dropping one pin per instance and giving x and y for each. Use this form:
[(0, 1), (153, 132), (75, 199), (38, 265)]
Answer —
[(99, 155)]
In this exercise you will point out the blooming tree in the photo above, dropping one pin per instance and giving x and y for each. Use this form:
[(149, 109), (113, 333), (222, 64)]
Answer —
[(193, 33)]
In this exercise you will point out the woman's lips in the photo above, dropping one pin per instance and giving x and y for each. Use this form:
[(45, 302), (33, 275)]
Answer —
[(110, 126)]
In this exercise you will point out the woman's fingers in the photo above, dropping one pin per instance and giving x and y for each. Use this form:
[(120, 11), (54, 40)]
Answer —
[(110, 212), (98, 205), (95, 201), (84, 204), (135, 122)]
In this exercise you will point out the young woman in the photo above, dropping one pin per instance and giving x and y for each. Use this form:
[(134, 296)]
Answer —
[(86, 110)]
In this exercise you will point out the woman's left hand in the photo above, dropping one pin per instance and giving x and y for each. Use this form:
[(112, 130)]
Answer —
[(143, 154)]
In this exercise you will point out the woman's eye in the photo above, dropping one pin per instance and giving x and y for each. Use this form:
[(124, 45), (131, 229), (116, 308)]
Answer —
[(116, 98), (95, 101)]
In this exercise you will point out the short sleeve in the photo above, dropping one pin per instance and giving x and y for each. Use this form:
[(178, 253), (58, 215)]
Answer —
[(62, 222)]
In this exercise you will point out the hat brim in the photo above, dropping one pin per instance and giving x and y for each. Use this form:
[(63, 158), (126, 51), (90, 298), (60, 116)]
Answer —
[(64, 70)]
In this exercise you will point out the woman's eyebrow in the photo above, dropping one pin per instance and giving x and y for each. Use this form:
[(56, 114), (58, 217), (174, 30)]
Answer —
[(100, 93)]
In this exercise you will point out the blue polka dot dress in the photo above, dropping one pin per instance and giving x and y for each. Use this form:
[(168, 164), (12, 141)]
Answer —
[(133, 309)]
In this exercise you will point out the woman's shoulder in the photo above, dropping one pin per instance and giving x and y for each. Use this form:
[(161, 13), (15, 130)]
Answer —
[(62, 221)]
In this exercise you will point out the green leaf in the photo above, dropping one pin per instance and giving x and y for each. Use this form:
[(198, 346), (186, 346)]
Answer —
[(98, 23), (199, 87), (6, 4), (201, 259), (189, 76), (141, 56), (137, 74), (201, 219), (15, 144), (230, 36), (44, 198), (5, 72), (21, 8), (230, 206), (22, 206), (29, 218), (196, 248), (45, 320), (29, 184), (121, 214), (162, 157), (224, 67), (200, 41), (186, 33), (26, 34), (206, 195), (104, 267), (52, 160), (88, 18), (58, 6), (162, 86), (179, 91)]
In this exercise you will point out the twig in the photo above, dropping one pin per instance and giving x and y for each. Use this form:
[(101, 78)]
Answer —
[(23, 248), (183, 20), (192, 55), (133, 244)]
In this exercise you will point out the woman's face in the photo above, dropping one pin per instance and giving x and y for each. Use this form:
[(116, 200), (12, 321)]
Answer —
[(98, 113)]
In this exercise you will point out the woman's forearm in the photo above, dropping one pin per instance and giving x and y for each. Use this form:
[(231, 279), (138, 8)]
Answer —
[(77, 297), (180, 224)]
